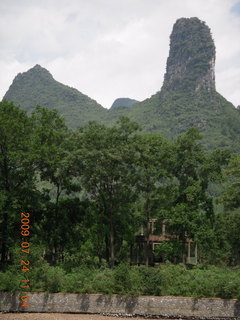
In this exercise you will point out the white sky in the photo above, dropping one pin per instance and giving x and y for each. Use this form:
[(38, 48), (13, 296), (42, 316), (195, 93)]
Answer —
[(112, 48)]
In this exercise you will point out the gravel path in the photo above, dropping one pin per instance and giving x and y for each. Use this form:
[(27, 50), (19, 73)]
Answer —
[(59, 316)]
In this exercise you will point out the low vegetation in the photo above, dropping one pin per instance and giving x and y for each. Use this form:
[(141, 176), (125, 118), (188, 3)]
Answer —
[(171, 280)]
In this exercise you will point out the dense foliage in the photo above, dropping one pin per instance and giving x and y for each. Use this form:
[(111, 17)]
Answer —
[(89, 192), (169, 280)]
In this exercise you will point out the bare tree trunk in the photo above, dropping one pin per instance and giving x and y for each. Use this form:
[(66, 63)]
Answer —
[(112, 253), (107, 248), (148, 211), (55, 248), (183, 249), (4, 224)]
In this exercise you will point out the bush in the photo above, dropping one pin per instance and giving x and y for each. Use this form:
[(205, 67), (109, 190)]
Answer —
[(168, 279), (104, 282), (122, 279), (54, 279), (10, 281), (151, 279)]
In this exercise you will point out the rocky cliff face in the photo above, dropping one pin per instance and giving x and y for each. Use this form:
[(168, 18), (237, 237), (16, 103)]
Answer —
[(191, 61)]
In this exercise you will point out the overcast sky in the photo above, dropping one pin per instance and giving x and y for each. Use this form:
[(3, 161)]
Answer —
[(112, 48)]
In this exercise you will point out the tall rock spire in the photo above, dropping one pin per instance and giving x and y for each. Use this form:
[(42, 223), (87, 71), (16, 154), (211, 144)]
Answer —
[(191, 61)]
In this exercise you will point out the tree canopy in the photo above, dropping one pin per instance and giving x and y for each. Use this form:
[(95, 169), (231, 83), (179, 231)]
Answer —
[(90, 191)]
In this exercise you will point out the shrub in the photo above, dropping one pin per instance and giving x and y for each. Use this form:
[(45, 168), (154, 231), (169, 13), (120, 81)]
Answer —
[(54, 279), (151, 279), (122, 279), (10, 281), (104, 282), (168, 279)]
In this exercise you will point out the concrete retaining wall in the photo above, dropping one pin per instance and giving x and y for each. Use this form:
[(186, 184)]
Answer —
[(172, 307)]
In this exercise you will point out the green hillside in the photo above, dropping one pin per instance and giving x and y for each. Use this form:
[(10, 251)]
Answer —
[(123, 102), (37, 87), (213, 115), (188, 96)]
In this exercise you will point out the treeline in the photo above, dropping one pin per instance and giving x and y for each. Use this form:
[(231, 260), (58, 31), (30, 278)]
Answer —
[(89, 191)]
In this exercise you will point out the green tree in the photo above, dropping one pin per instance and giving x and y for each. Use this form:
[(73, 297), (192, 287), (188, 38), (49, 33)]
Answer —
[(153, 174), (230, 197), (231, 202), (16, 172), (53, 146), (105, 162), (192, 210)]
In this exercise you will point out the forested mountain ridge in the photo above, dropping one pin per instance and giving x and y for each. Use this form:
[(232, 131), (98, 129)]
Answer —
[(187, 98), (38, 87)]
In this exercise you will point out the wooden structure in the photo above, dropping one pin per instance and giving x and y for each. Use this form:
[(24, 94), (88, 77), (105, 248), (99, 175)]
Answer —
[(146, 244)]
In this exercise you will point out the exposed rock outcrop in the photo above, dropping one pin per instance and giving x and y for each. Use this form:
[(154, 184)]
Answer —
[(191, 61)]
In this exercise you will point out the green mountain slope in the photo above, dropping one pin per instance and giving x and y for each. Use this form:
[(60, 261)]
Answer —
[(123, 102), (37, 86), (215, 117), (187, 98)]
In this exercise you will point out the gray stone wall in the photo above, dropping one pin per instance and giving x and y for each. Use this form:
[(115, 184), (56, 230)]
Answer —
[(170, 307)]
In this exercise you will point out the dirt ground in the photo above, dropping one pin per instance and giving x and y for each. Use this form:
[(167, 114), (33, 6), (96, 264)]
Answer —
[(59, 316)]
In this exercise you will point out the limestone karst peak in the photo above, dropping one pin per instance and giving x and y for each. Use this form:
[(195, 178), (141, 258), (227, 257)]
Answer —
[(191, 61)]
